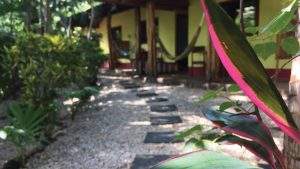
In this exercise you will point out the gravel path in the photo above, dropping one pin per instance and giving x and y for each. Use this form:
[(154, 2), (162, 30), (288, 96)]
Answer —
[(111, 133)]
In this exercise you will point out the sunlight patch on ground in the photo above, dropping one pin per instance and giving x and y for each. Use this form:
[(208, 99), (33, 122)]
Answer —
[(134, 102), (242, 98), (71, 101), (140, 123)]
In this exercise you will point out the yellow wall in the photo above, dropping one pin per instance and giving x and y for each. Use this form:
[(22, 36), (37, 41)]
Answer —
[(166, 22), (167, 26), (123, 19), (268, 9)]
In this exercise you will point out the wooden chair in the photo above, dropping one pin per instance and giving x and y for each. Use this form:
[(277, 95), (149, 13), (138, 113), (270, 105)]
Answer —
[(198, 50)]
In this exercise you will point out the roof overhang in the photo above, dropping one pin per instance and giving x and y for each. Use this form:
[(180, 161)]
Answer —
[(160, 4)]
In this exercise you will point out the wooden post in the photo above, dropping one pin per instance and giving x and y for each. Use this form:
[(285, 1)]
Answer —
[(151, 65), (291, 148), (110, 45), (138, 64)]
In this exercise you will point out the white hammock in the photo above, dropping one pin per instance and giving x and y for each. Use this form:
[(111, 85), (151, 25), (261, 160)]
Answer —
[(187, 50)]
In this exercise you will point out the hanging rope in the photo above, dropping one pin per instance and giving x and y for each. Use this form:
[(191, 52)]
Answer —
[(187, 50)]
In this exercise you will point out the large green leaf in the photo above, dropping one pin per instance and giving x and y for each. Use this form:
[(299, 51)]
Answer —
[(253, 147), (290, 45), (203, 144), (244, 67), (204, 160), (282, 19), (248, 127), (193, 130), (265, 50)]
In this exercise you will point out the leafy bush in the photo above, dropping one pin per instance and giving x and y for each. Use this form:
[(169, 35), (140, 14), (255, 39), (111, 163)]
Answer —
[(5, 87), (83, 97), (45, 63), (94, 57)]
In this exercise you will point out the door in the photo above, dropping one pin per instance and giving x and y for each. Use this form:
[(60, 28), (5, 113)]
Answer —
[(182, 39)]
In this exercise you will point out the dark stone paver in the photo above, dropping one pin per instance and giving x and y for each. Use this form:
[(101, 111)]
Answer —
[(124, 82), (161, 137), (157, 99), (131, 86), (144, 95), (147, 161), (139, 90), (163, 108), (162, 120)]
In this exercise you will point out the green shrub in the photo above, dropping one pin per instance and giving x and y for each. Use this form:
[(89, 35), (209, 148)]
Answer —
[(6, 80), (45, 63), (83, 96), (94, 57)]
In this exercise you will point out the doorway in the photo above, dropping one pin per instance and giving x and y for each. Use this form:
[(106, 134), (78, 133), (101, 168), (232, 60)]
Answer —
[(182, 40)]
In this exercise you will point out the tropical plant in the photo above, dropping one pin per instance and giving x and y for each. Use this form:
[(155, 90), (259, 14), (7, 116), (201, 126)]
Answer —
[(43, 64), (6, 86), (24, 127), (263, 37), (245, 126), (83, 97)]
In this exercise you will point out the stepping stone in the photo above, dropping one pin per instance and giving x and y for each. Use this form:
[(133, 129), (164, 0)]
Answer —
[(124, 82), (131, 86), (144, 95), (163, 120), (163, 108), (161, 137), (156, 99), (139, 91), (147, 161)]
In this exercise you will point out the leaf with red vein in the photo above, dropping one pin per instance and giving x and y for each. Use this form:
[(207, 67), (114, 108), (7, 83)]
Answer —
[(243, 65)]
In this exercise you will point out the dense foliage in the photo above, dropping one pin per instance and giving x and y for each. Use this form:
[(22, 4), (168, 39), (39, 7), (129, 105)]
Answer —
[(36, 67), (5, 41)]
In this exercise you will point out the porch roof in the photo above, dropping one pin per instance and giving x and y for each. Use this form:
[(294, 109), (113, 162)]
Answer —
[(160, 4)]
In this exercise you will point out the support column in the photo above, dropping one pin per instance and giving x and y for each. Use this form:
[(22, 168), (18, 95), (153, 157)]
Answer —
[(151, 62), (111, 59), (291, 147), (138, 60)]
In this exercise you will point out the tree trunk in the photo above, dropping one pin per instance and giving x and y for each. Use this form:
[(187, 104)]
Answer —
[(242, 26), (151, 62), (11, 23), (47, 17), (91, 20), (138, 64), (28, 15), (111, 58), (291, 148)]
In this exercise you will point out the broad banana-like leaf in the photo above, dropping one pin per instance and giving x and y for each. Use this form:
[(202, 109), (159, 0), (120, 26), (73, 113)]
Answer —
[(253, 147), (203, 160), (243, 65), (246, 126), (282, 19)]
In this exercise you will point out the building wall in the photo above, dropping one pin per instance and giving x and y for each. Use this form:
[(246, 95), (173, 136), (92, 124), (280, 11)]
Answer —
[(273, 8), (166, 22), (167, 27)]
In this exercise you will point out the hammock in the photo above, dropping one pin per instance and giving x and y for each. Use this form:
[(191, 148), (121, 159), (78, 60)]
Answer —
[(123, 52), (115, 44), (187, 50)]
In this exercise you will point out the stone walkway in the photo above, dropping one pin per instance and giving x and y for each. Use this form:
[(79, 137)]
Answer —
[(130, 125)]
